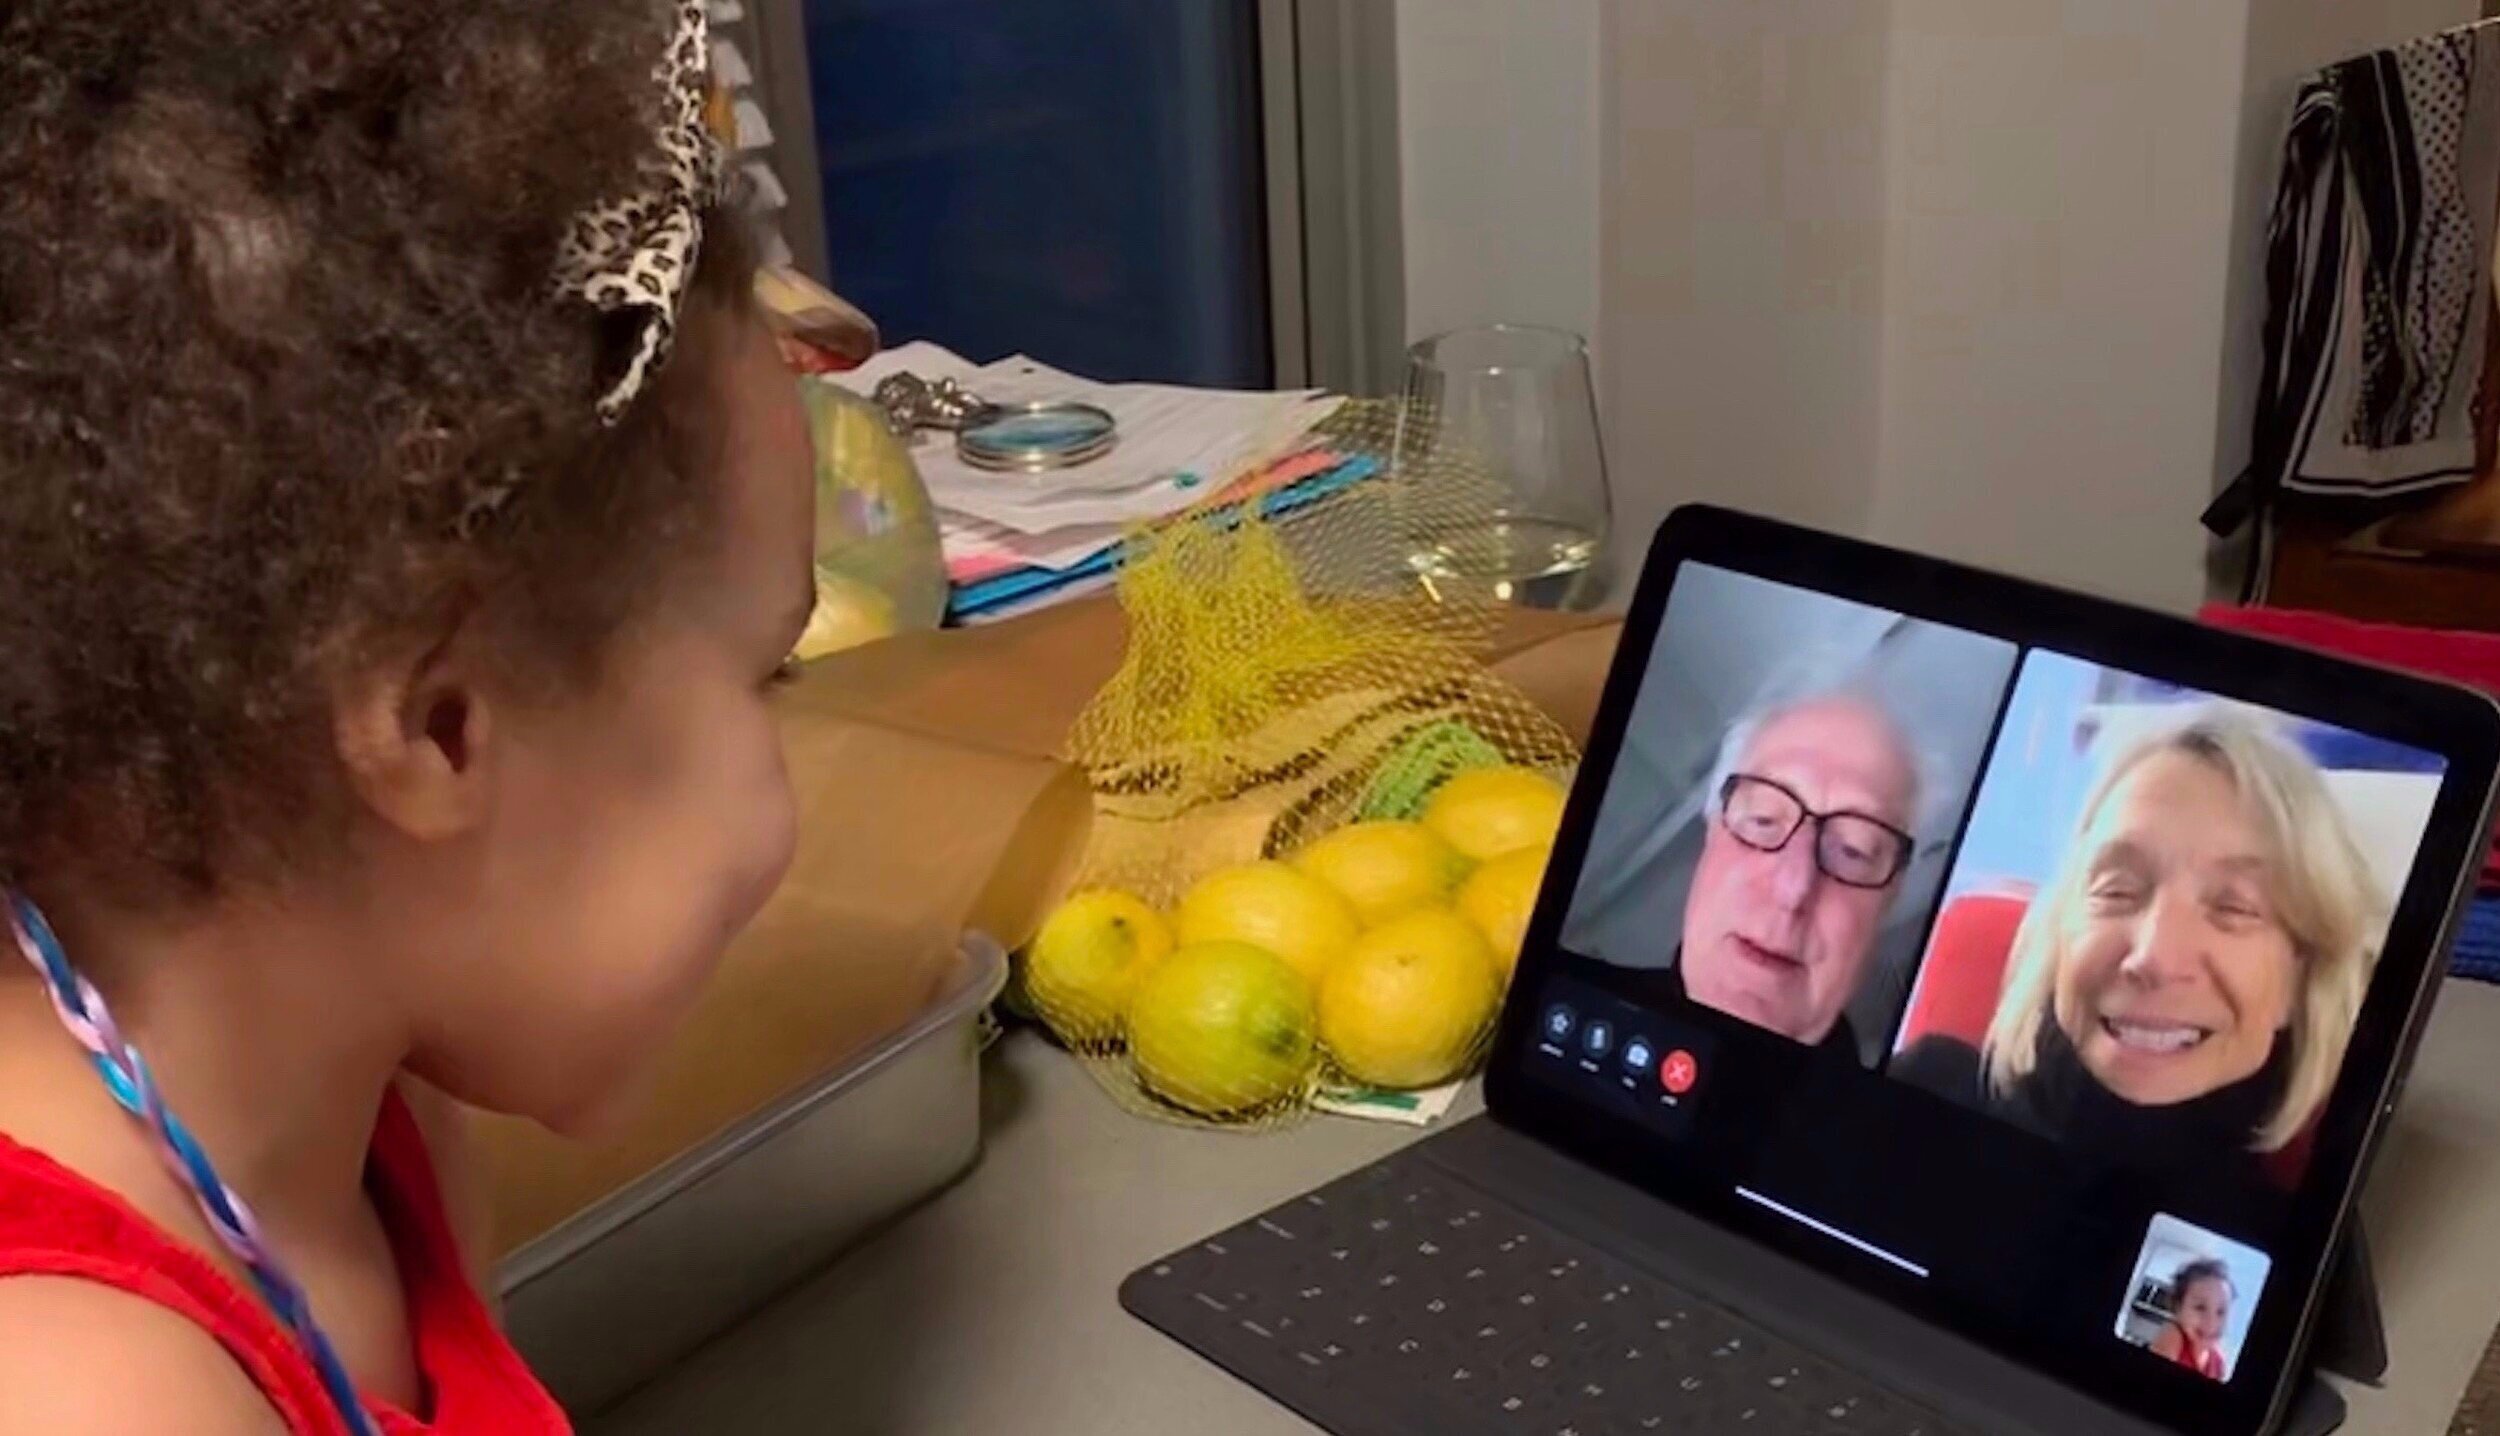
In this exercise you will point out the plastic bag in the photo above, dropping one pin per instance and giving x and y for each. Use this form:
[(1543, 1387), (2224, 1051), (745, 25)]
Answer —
[(879, 567)]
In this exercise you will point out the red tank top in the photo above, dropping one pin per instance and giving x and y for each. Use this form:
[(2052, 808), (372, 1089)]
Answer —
[(54, 1222), (2205, 1361)]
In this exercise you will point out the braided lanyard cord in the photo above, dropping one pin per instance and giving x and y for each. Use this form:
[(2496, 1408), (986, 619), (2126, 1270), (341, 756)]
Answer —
[(82, 1011)]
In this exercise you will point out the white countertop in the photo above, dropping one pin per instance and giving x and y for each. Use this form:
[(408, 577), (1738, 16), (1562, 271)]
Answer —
[(994, 1308)]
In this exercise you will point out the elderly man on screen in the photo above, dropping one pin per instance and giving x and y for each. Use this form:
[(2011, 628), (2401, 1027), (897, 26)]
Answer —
[(1810, 813)]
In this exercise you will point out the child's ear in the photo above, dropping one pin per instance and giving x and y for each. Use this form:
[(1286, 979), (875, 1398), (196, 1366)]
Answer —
[(415, 738)]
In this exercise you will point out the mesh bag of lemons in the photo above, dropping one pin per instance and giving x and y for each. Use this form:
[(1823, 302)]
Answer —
[(1320, 823)]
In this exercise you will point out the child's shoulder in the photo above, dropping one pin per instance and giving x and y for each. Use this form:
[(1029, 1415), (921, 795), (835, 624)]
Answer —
[(114, 1363)]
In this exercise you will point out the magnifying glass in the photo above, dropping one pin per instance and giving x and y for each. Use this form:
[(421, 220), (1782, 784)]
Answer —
[(1002, 438), (1035, 438)]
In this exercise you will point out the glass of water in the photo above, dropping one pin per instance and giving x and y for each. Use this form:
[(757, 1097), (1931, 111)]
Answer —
[(1498, 470)]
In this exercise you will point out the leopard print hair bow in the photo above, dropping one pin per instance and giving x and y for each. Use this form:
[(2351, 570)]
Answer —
[(636, 254)]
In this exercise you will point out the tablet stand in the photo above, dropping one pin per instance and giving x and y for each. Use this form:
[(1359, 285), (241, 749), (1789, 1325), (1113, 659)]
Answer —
[(2351, 1341), (2352, 1338)]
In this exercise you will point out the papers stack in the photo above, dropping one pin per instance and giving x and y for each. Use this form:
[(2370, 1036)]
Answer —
[(1017, 541)]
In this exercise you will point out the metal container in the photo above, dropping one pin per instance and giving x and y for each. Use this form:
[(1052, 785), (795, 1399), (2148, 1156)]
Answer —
[(625, 1288)]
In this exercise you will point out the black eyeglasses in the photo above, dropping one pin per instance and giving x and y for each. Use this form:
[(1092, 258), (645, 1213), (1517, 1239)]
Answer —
[(1849, 848)]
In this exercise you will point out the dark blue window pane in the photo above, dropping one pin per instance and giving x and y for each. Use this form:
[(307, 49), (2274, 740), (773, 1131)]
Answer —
[(1080, 180)]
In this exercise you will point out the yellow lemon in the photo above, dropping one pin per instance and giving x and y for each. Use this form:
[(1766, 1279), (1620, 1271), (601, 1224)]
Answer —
[(1269, 905), (1405, 1007), (1086, 959), (1383, 868), (1500, 897), (1222, 1028), (1486, 812)]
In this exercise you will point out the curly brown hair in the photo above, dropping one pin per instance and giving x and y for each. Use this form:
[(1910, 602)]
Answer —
[(275, 315)]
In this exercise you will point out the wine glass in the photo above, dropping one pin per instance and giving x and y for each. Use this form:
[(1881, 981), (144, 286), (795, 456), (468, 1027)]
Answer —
[(1498, 469)]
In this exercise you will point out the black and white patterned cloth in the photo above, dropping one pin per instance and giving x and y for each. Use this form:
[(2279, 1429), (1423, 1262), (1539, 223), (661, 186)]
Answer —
[(2379, 258), (635, 254)]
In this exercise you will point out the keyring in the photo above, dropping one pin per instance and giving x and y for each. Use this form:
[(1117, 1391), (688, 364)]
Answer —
[(912, 403)]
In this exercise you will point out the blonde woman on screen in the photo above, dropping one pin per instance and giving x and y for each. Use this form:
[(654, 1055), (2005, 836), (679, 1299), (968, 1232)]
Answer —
[(2182, 991)]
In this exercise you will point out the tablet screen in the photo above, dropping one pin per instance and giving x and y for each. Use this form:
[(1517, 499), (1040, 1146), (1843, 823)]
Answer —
[(2011, 981)]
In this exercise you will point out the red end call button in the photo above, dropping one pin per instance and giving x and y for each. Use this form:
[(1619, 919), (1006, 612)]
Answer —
[(1677, 1072)]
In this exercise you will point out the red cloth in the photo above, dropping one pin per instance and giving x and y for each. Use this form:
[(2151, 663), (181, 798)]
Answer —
[(2472, 659), (54, 1222), (1965, 967), (2204, 1360)]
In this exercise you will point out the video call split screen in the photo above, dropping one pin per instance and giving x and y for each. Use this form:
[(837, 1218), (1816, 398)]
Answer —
[(2132, 919)]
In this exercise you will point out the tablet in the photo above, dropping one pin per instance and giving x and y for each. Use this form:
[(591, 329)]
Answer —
[(2038, 964)]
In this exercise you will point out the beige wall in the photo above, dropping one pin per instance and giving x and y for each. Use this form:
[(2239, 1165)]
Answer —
[(2056, 240), (1741, 257), (1498, 122), (1972, 276)]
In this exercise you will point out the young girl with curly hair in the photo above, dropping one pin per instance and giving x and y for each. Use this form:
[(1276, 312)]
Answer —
[(403, 519)]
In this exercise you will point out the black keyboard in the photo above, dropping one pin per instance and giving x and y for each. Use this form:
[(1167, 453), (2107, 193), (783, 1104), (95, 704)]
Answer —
[(1399, 1301)]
